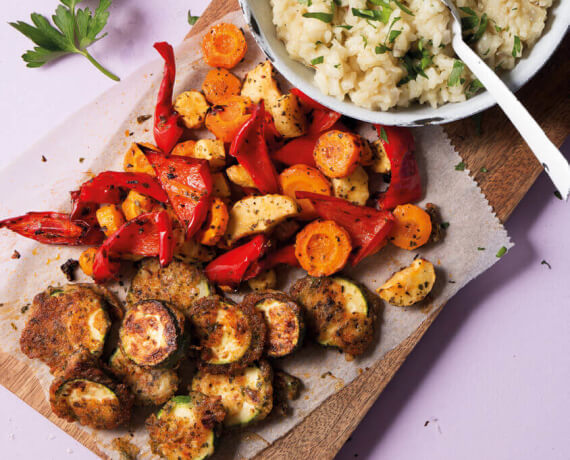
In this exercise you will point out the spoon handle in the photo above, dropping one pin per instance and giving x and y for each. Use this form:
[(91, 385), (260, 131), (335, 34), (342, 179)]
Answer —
[(554, 163)]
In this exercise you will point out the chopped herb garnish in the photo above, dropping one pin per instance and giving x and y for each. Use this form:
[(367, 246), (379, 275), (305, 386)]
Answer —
[(480, 249), (365, 40), (444, 225), (338, 2), (318, 60), (517, 46), (325, 17), (381, 49), (403, 8), (502, 252), (482, 28), (415, 61), (383, 135), (305, 2), (192, 19), (455, 75), (393, 35), (473, 88), (544, 262), (382, 15), (345, 26), (336, 66), (484, 170), (498, 28), (557, 194), (470, 21), (460, 166)]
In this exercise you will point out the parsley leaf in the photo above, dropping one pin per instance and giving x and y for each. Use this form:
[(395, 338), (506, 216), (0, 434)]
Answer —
[(325, 17), (382, 15), (473, 88), (415, 62), (403, 8), (455, 75), (76, 30), (192, 19), (393, 35), (502, 252), (460, 166), (318, 60), (517, 46), (383, 135)]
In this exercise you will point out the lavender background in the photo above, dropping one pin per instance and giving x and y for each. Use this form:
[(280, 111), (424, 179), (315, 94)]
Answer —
[(489, 379)]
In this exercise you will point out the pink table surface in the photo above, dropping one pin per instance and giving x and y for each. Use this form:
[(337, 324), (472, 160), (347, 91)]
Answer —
[(490, 378)]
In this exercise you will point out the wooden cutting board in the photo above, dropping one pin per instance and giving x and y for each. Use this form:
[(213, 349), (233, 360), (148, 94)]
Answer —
[(512, 169)]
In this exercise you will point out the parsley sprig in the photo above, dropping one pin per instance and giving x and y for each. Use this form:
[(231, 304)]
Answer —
[(78, 29)]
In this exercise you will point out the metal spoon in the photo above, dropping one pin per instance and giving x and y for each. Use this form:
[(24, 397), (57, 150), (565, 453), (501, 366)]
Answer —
[(554, 163)]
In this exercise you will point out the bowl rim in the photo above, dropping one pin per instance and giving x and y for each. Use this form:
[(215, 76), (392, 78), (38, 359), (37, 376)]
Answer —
[(422, 115)]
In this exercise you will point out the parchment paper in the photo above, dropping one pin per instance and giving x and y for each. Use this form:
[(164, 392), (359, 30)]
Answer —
[(95, 139)]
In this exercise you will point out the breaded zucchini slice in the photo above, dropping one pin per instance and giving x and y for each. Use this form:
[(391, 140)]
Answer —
[(153, 334), (86, 394), (286, 387), (246, 396), (284, 321), (410, 285), (66, 319), (179, 283), (149, 386), (231, 336), (186, 428), (339, 312)]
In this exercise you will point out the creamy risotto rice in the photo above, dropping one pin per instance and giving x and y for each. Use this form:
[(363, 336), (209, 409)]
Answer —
[(383, 53)]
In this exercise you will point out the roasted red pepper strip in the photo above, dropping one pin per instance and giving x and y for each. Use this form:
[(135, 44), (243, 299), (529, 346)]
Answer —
[(146, 235), (83, 212), (323, 117), (300, 149), (405, 183), (167, 131), (273, 139), (231, 268), (53, 228), (368, 228), (105, 187), (188, 184), (166, 241), (306, 100), (285, 255), (250, 150)]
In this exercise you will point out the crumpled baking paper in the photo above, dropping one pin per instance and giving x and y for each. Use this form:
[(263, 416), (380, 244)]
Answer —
[(96, 138)]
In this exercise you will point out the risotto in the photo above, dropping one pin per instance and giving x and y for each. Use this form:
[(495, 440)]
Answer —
[(386, 53)]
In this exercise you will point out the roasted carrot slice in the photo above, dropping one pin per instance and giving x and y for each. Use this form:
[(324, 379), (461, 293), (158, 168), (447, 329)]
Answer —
[(412, 227), (303, 178), (224, 120), (224, 46), (216, 223), (184, 149), (322, 248), (337, 153), (220, 84)]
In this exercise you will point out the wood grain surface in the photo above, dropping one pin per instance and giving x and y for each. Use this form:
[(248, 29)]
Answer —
[(512, 169)]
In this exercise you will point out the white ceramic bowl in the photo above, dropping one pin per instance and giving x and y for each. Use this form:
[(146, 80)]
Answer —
[(258, 15)]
